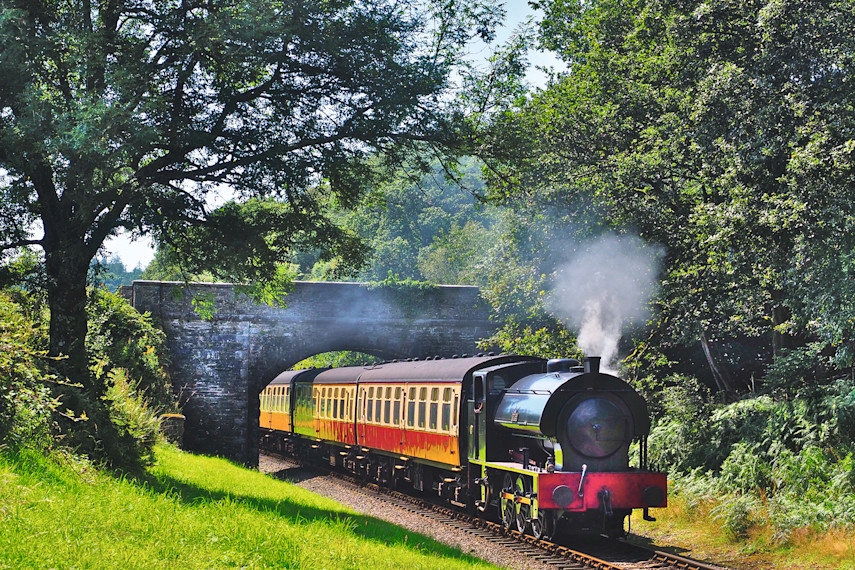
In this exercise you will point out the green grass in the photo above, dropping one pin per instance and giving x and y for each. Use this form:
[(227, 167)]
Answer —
[(190, 512)]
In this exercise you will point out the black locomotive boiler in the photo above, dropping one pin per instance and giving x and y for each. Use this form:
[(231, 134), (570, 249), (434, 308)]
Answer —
[(535, 443)]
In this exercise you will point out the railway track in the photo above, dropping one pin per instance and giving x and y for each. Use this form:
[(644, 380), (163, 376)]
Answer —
[(598, 552)]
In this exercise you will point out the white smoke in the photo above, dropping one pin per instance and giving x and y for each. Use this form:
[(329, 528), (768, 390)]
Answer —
[(604, 288)]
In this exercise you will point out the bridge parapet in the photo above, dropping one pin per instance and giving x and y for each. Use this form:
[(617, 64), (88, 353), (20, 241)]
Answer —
[(221, 363)]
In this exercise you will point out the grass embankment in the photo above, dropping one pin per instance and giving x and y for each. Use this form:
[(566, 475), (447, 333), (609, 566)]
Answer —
[(695, 529), (191, 512)]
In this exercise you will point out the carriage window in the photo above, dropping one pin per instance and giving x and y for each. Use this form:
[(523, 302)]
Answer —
[(334, 403), (320, 402), (341, 404), (434, 407), (387, 406), (396, 410), (378, 403), (422, 405), (328, 392), (455, 411), (446, 409), (411, 408), (287, 399), (370, 405)]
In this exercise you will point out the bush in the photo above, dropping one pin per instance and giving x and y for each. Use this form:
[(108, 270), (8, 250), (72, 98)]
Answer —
[(736, 515), (25, 403), (127, 354), (122, 338), (794, 370), (679, 437), (136, 426), (744, 470)]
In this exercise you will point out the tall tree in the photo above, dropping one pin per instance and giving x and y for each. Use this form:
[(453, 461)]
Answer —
[(722, 130), (135, 114)]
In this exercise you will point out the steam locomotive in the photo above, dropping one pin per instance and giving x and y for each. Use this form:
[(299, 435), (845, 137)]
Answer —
[(541, 445)]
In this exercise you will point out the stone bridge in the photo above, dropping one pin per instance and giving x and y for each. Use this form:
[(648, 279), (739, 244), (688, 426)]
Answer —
[(221, 363)]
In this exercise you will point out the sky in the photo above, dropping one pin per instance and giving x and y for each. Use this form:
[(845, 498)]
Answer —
[(140, 252)]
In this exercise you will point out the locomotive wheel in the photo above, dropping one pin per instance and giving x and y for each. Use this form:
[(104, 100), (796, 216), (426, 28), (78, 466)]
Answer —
[(543, 527), (522, 511), (507, 513)]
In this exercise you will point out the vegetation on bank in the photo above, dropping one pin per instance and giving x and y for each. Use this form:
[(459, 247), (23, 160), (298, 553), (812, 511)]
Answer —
[(189, 512), (765, 476), (118, 429)]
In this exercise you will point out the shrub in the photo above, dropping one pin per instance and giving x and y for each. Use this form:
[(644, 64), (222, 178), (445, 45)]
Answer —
[(679, 436), (744, 470), (120, 337), (794, 370), (25, 402), (742, 421), (137, 428), (127, 355), (736, 515)]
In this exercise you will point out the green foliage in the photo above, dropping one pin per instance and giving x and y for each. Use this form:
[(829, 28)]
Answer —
[(335, 359), (680, 435), (545, 342), (721, 130), (735, 515), (744, 470), (26, 405), (45, 411), (122, 338), (136, 426), (795, 371), (111, 273), (420, 222), (407, 294)]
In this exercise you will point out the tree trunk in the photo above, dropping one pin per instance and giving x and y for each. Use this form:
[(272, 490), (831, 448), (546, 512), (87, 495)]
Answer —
[(67, 270), (720, 374)]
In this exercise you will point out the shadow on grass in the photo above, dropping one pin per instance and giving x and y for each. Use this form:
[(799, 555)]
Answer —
[(362, 526), (648, 543)]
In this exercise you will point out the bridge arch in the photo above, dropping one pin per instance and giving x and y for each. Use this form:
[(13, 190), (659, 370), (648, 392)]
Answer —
[(221, 364)]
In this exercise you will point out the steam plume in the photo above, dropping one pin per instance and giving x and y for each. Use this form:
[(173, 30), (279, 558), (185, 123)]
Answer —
[(605, 287)]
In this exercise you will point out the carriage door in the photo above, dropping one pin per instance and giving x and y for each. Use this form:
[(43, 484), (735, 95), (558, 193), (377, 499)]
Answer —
[(478, 417), (361, 411)]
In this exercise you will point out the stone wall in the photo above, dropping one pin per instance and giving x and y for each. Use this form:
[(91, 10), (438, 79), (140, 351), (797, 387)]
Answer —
[(220, 364)]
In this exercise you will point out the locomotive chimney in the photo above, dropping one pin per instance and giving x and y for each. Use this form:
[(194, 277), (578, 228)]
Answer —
[(592, 364)]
